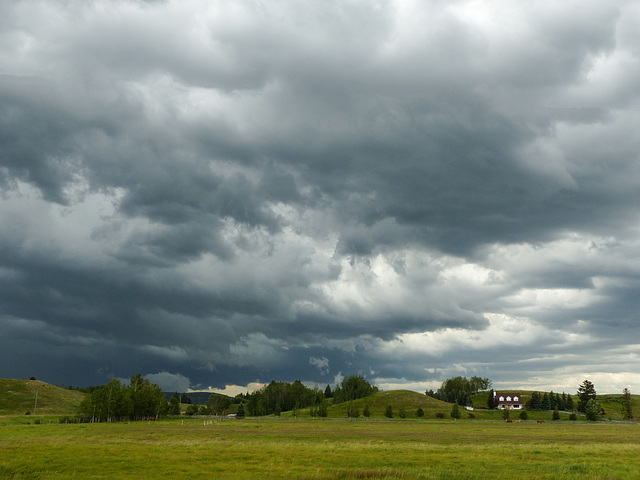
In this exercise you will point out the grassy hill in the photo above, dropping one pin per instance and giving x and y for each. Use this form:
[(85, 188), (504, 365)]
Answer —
[(19, 396), (378, 402), (411, 401)]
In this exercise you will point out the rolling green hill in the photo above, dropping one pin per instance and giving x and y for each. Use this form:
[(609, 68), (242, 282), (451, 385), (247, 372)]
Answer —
[(411, 401), (379, 401), (17, 397)]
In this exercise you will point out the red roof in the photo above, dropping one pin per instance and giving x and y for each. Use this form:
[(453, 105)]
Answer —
[(509, 399)]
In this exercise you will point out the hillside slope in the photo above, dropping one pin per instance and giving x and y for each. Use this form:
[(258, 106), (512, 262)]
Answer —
[(17, 397), (378, 402)]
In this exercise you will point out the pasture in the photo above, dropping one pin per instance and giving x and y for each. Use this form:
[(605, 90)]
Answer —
[(320, 449)]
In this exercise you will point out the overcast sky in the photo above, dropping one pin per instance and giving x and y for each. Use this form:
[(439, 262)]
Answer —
[(220, 193)]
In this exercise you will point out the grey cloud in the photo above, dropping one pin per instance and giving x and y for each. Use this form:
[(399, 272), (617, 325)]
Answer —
[(222, 193)]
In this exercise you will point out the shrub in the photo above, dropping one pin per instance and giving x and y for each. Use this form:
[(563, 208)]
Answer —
[(524, 415), (593, 410), (388, 412), (419, 413), (471, 415), (455, 411), (573, 416), (366, 412), (402, 413), (439, 415), (556, 414)]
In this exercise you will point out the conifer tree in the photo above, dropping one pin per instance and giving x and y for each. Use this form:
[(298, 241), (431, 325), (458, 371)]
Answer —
[(569, 405), (627, 414), (535, 401), (586, 392)]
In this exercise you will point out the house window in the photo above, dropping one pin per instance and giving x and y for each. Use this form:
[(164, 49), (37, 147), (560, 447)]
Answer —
[(508, 399)]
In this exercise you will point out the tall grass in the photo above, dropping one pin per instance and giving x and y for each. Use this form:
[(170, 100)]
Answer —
[(321, 449)]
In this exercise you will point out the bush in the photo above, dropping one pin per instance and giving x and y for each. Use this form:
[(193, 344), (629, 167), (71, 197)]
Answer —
[(419, 413), (388, 412), (524, 415), (573, 416), (439, 415), (402, 413), (471, 415)]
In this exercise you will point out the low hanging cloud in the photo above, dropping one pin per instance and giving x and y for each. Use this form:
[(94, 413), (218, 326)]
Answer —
[(238, 193)]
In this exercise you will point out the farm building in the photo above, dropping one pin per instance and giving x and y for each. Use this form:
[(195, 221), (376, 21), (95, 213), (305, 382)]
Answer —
[(508, 401)]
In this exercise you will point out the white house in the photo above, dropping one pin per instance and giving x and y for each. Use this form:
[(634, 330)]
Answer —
[(508, 401)]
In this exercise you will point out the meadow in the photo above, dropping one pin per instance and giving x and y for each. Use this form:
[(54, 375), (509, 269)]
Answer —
[(320, 449)]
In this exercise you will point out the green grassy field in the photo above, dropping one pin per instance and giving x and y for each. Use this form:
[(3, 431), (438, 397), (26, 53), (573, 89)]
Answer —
[(321, 449)]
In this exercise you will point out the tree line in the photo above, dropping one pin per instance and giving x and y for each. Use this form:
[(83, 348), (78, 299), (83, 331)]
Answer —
[(278, 397), (114, 401), (460, 389)]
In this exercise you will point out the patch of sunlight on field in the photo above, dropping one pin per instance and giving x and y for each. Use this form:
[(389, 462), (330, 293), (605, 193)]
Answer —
[(255, 449)]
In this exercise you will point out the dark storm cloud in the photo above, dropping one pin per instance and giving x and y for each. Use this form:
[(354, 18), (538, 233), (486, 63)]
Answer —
[(229, 192)]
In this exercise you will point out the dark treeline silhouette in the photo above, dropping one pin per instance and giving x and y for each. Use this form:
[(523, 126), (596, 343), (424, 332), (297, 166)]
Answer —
[(278, 397), (114, 401)]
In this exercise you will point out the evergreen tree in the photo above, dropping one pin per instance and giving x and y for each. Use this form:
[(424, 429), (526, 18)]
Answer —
[(524, 415), (388, 412), (545, 404), (586, 392), (402, 413), (563, 402), (556, 413), (535, 401), (327, 392), (185, 399), (366, 412), (491, 401), (419, 412), (240, 413), (455, 411), (569, 405), (506, 414), (627, 414)]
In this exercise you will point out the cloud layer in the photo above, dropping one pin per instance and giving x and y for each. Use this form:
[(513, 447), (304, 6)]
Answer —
[(221, 193)]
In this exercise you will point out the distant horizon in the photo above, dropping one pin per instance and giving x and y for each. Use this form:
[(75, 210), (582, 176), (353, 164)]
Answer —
[(244, 391)]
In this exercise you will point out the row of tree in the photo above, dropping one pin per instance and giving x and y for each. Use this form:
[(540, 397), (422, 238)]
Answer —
[(278, 397), (460, 389), (115, 401)]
